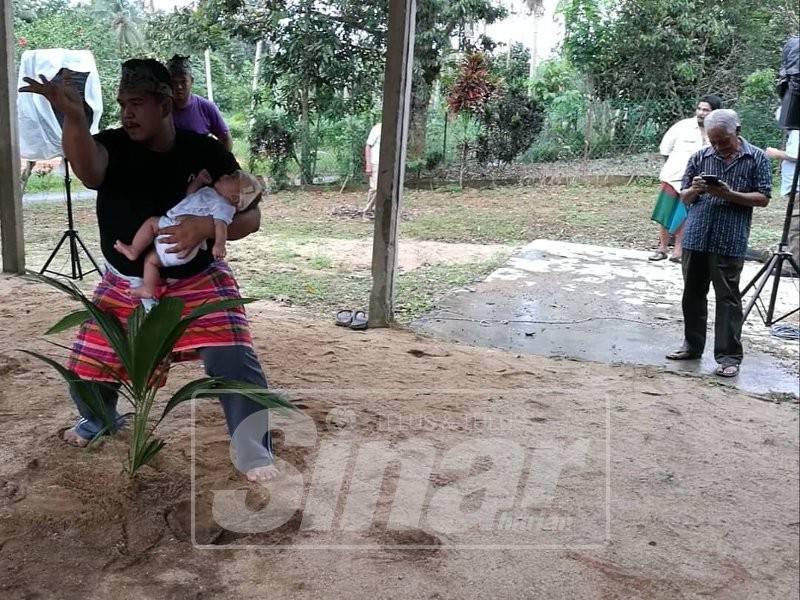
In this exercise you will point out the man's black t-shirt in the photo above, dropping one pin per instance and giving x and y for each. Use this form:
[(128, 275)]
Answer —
[(140, 184)]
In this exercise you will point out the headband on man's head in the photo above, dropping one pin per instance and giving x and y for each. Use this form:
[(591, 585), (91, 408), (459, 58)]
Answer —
[(145, 75), (179, 65)]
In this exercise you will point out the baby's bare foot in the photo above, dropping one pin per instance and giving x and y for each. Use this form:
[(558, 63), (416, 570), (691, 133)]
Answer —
[(126, 250), (142, 292), (262, 474)]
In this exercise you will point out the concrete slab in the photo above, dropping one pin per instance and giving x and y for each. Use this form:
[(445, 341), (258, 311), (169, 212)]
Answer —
[(606, 305)]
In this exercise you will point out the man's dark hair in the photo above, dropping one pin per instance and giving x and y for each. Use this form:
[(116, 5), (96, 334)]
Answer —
[(714, 101)]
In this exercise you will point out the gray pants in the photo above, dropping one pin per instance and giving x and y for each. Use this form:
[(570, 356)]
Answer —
[(699, 270), (234, 362)]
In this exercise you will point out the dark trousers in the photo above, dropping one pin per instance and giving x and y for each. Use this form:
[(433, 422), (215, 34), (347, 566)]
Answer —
[(699, 270), (252, 446)]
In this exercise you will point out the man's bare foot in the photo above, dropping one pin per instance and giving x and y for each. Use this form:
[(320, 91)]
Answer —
[(71, 437), (126, 250), (262, 474), (142, 292)]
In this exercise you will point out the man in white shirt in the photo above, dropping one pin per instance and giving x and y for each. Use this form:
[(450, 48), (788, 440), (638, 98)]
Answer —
[(372, 153), (680, 142), (788, 160)]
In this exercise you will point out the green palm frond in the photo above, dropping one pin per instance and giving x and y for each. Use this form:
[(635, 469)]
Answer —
[(144, 346)]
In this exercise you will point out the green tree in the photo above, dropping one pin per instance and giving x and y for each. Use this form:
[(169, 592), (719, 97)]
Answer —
[(438, 22), (57, 25), (674, 50), (322, 58), (125, 19), (510, 122), (470, 95), (189, 32)]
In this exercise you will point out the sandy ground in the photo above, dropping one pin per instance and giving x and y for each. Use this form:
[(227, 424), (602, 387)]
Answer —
[(412, 254), (537, 478)]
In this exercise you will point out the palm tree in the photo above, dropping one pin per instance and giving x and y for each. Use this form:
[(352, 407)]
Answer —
[(125, 19), (144, 345), (536, 10)]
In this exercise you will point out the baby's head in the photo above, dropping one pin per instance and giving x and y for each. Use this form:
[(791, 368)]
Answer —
[(239, 188)]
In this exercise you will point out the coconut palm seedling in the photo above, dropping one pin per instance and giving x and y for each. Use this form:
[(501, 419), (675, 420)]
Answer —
[(144, 346)]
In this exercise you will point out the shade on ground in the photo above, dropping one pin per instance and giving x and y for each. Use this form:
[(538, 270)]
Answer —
[(608, 305)]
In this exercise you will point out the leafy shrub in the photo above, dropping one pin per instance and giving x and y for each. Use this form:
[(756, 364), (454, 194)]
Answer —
[(433, 158), (347, 137), (509, 127), (273, 138), (144, 345)]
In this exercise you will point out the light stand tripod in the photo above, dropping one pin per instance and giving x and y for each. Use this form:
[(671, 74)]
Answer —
[(774, 266), (74, 240)]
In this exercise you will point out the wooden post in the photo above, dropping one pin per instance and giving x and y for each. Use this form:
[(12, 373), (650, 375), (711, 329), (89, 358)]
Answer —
[(13, 240), (392, 166)]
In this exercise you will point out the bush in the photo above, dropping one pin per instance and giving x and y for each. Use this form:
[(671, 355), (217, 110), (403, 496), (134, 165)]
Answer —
[(433, 158), (346, 137), (509, 127), (273, 138), (756, 109)]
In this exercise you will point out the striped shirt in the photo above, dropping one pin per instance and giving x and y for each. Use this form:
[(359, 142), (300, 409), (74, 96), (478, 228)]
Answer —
[(716, 225)]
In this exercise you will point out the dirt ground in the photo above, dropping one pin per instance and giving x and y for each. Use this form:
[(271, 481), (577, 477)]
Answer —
[(683, 489)]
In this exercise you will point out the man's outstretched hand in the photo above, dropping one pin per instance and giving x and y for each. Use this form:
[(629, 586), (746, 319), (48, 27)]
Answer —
[(62, 96)]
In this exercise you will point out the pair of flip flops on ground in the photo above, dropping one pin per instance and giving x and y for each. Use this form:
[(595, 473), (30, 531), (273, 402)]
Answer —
[(722, 370), (354, 319), (659, 255)]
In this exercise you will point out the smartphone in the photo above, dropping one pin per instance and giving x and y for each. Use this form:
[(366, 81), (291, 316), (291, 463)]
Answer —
[(710, 179)]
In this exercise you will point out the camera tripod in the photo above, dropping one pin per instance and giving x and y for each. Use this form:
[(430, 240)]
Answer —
[(71, 236), (774, 267)]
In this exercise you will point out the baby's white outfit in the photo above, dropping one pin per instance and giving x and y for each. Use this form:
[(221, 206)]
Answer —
[(206, 202)]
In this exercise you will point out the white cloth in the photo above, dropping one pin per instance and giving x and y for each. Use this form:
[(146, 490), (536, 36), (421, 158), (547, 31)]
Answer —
[(205, 202), (39, 129), (787, 166), (374, 144), (682, 140)]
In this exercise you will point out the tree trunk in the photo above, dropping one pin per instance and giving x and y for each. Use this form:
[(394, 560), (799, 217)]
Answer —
[(209, 86), (305, 138), (418, 126)]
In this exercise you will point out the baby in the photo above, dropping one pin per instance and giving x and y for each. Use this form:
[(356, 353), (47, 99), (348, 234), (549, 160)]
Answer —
[(231, 193)]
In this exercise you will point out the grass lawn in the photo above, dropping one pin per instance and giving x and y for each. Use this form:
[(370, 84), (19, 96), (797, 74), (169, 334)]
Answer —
[(307, 255)]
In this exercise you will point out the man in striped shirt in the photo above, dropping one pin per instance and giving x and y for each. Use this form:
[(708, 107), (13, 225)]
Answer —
[(720, 187)]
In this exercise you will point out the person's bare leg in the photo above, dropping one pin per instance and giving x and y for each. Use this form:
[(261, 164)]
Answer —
[(141, 241), (678, 249), (373, 192), (261, 474), (663, 239), (151, 277)]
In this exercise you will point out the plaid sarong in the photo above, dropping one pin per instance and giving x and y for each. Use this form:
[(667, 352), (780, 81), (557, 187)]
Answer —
[(226, 328), (669, 211)]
